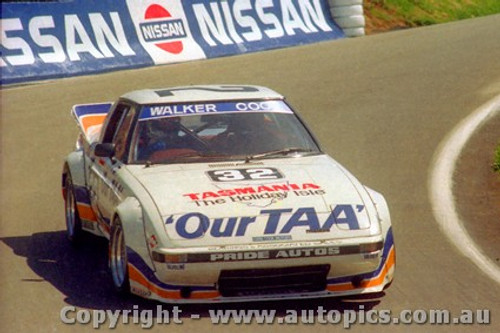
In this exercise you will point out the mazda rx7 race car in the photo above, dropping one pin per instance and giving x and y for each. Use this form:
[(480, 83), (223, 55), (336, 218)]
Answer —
[(221, 193)]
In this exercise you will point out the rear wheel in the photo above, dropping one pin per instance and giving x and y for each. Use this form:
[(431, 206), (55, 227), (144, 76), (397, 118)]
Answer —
[(73, 223), (118, 261)]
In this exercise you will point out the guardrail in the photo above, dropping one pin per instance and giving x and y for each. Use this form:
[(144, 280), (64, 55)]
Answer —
[(44, 40)]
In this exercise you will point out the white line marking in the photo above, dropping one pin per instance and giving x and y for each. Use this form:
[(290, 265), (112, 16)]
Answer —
[(441, 187)]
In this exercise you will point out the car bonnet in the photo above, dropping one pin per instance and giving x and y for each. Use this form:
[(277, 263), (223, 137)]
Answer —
[(272, 200)]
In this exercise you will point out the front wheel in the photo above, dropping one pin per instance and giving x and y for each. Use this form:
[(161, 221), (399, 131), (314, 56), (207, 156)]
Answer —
[(118, 262)]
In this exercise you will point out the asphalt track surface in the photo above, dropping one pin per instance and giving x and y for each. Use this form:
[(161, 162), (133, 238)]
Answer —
[(381, 105)]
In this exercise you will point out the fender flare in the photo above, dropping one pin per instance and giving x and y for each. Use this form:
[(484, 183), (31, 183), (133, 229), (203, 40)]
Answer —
[(381, 207), (74, 164), (131, 216)]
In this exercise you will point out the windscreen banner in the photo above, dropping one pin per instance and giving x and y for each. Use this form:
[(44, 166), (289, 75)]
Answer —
[(43, 40)]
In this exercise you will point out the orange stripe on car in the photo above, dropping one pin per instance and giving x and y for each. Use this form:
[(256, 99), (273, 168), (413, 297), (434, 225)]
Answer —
[(91, 120), (340, 287), (379, 279), (136, 276), (85, 212)]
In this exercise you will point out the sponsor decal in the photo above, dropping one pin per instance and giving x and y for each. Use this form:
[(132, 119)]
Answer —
[(291, 252), (255, 200), (174, 110), (87, 36), (160, 28), (275, 254), (41, 40), (140, 291), (271, 238), (271, 222), (238, 26), (153, 242), (254, 195), (164, 31), (176, 267), (286, 251), (252, 190), (256, 247), (63, 38)]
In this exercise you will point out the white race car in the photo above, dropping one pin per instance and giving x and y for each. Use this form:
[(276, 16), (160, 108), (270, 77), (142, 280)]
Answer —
[(220, 193)]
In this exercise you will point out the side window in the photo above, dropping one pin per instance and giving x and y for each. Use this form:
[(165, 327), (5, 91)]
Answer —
[(120, 139), (113, 123)]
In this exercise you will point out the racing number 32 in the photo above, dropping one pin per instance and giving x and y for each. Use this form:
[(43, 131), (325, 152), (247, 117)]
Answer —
[(244, 174)]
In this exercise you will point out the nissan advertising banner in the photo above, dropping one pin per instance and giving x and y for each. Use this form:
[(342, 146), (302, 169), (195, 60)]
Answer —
[(42, 40)]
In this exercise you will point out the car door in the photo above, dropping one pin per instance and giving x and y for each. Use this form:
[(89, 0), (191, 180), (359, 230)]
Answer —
[(105, 186)]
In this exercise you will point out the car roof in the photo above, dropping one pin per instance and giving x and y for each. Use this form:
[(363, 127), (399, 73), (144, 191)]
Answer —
[(199, 93)]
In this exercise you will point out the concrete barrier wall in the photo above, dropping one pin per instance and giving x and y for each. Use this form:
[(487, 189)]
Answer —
[(75, 37)]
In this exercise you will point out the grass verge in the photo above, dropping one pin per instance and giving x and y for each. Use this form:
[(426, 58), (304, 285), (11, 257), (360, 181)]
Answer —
[(496, 161), (390, 14)]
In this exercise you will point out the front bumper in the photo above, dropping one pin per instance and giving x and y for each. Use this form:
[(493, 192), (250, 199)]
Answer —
[(243, 274)]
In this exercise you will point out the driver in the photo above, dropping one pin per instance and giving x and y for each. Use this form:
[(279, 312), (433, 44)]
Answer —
[(162, 134), (164, 131)]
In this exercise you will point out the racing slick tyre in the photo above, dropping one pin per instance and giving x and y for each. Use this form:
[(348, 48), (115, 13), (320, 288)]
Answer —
[(73, 222), (118, 262)]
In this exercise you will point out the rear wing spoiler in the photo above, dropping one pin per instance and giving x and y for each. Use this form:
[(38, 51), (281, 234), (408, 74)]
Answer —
[(90, 118)]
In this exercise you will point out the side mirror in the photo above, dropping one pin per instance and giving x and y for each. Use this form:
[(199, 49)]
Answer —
[(104, 150)]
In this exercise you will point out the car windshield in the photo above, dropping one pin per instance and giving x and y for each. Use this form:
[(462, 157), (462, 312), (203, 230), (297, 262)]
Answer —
[(218, 131)]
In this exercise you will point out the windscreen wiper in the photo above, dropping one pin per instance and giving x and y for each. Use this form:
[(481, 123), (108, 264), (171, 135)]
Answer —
[(279, 152), (194, 135), (189, 155)]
